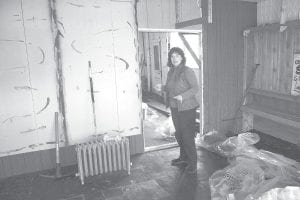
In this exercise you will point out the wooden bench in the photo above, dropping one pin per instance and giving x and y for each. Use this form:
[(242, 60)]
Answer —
[(269, 119), (282, 118)]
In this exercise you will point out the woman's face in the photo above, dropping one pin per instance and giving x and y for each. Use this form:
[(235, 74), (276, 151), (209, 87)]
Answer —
[(176, 59)]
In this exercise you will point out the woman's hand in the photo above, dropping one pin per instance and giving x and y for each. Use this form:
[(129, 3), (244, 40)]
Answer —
[(178, 98)]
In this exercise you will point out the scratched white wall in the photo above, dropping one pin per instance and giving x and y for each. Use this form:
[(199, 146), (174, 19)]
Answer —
[(28, 97), (104, 33)]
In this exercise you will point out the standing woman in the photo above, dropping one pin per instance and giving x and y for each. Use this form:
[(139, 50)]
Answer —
[(181, 88)]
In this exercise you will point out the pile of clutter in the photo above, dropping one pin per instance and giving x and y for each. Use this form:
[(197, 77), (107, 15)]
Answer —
[(252, 174)]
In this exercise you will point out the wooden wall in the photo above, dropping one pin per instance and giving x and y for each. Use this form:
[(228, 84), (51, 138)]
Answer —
[(270, 107), (275, 11), (278, 111), (146, 42), (187, 10), (156, 14), (223, 45), (273, 50)]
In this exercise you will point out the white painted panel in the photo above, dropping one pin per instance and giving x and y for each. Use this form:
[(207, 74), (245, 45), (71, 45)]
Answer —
[(17, 120), (102, 32), (42, 69), (127, 70), (80, 31)]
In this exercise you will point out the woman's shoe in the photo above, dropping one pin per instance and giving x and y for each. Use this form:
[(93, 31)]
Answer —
[(178, 162)]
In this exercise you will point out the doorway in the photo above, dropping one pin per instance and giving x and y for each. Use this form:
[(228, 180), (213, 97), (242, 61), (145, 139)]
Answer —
[(154, 44)]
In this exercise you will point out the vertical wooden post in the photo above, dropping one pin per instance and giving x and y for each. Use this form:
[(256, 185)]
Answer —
[(58, 171)]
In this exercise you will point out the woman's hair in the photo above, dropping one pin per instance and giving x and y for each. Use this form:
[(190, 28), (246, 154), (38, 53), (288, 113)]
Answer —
[(176, 50)]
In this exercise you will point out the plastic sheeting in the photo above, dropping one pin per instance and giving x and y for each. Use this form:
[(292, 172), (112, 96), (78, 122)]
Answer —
[(218, 143), (252, 173), (287, 193)]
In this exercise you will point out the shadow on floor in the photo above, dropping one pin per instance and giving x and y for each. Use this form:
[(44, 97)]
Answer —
[(151, 177)]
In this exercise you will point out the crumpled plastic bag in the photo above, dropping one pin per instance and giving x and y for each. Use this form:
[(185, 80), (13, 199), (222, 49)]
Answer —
[(210, 139), (274, 170), (219, 143), (273, 164), (287, 193), (239, 179), (166, 129)]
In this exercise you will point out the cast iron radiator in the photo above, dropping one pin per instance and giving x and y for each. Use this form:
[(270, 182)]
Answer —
[(99, 157)]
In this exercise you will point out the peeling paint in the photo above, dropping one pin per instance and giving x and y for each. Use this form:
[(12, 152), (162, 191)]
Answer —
[(11, 69), (108, 30), (133, 128), (31, 19), (130, 25), (32, 146), (13, 117), (52, 142), (98, 72), (121, 59), (126, 63), (24, 88), (12, 151), (73, 4), (62, 25), (47, 104), (57, 52), (93, 91), (7, 40), (73, 47), (31, 130), (118, 131), (43, 55)]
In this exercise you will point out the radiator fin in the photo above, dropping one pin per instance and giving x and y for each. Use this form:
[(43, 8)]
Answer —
[(99, 157)]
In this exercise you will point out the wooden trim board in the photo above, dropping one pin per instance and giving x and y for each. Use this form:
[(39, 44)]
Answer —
[(290, 120)]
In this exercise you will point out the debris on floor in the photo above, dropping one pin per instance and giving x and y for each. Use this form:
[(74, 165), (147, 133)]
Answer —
[(220, 144), (289, 192), (252, 173), (166, 129), (158, 128)]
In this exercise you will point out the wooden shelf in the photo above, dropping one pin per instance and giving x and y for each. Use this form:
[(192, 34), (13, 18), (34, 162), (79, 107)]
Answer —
[(275, 95), (281, 118)]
